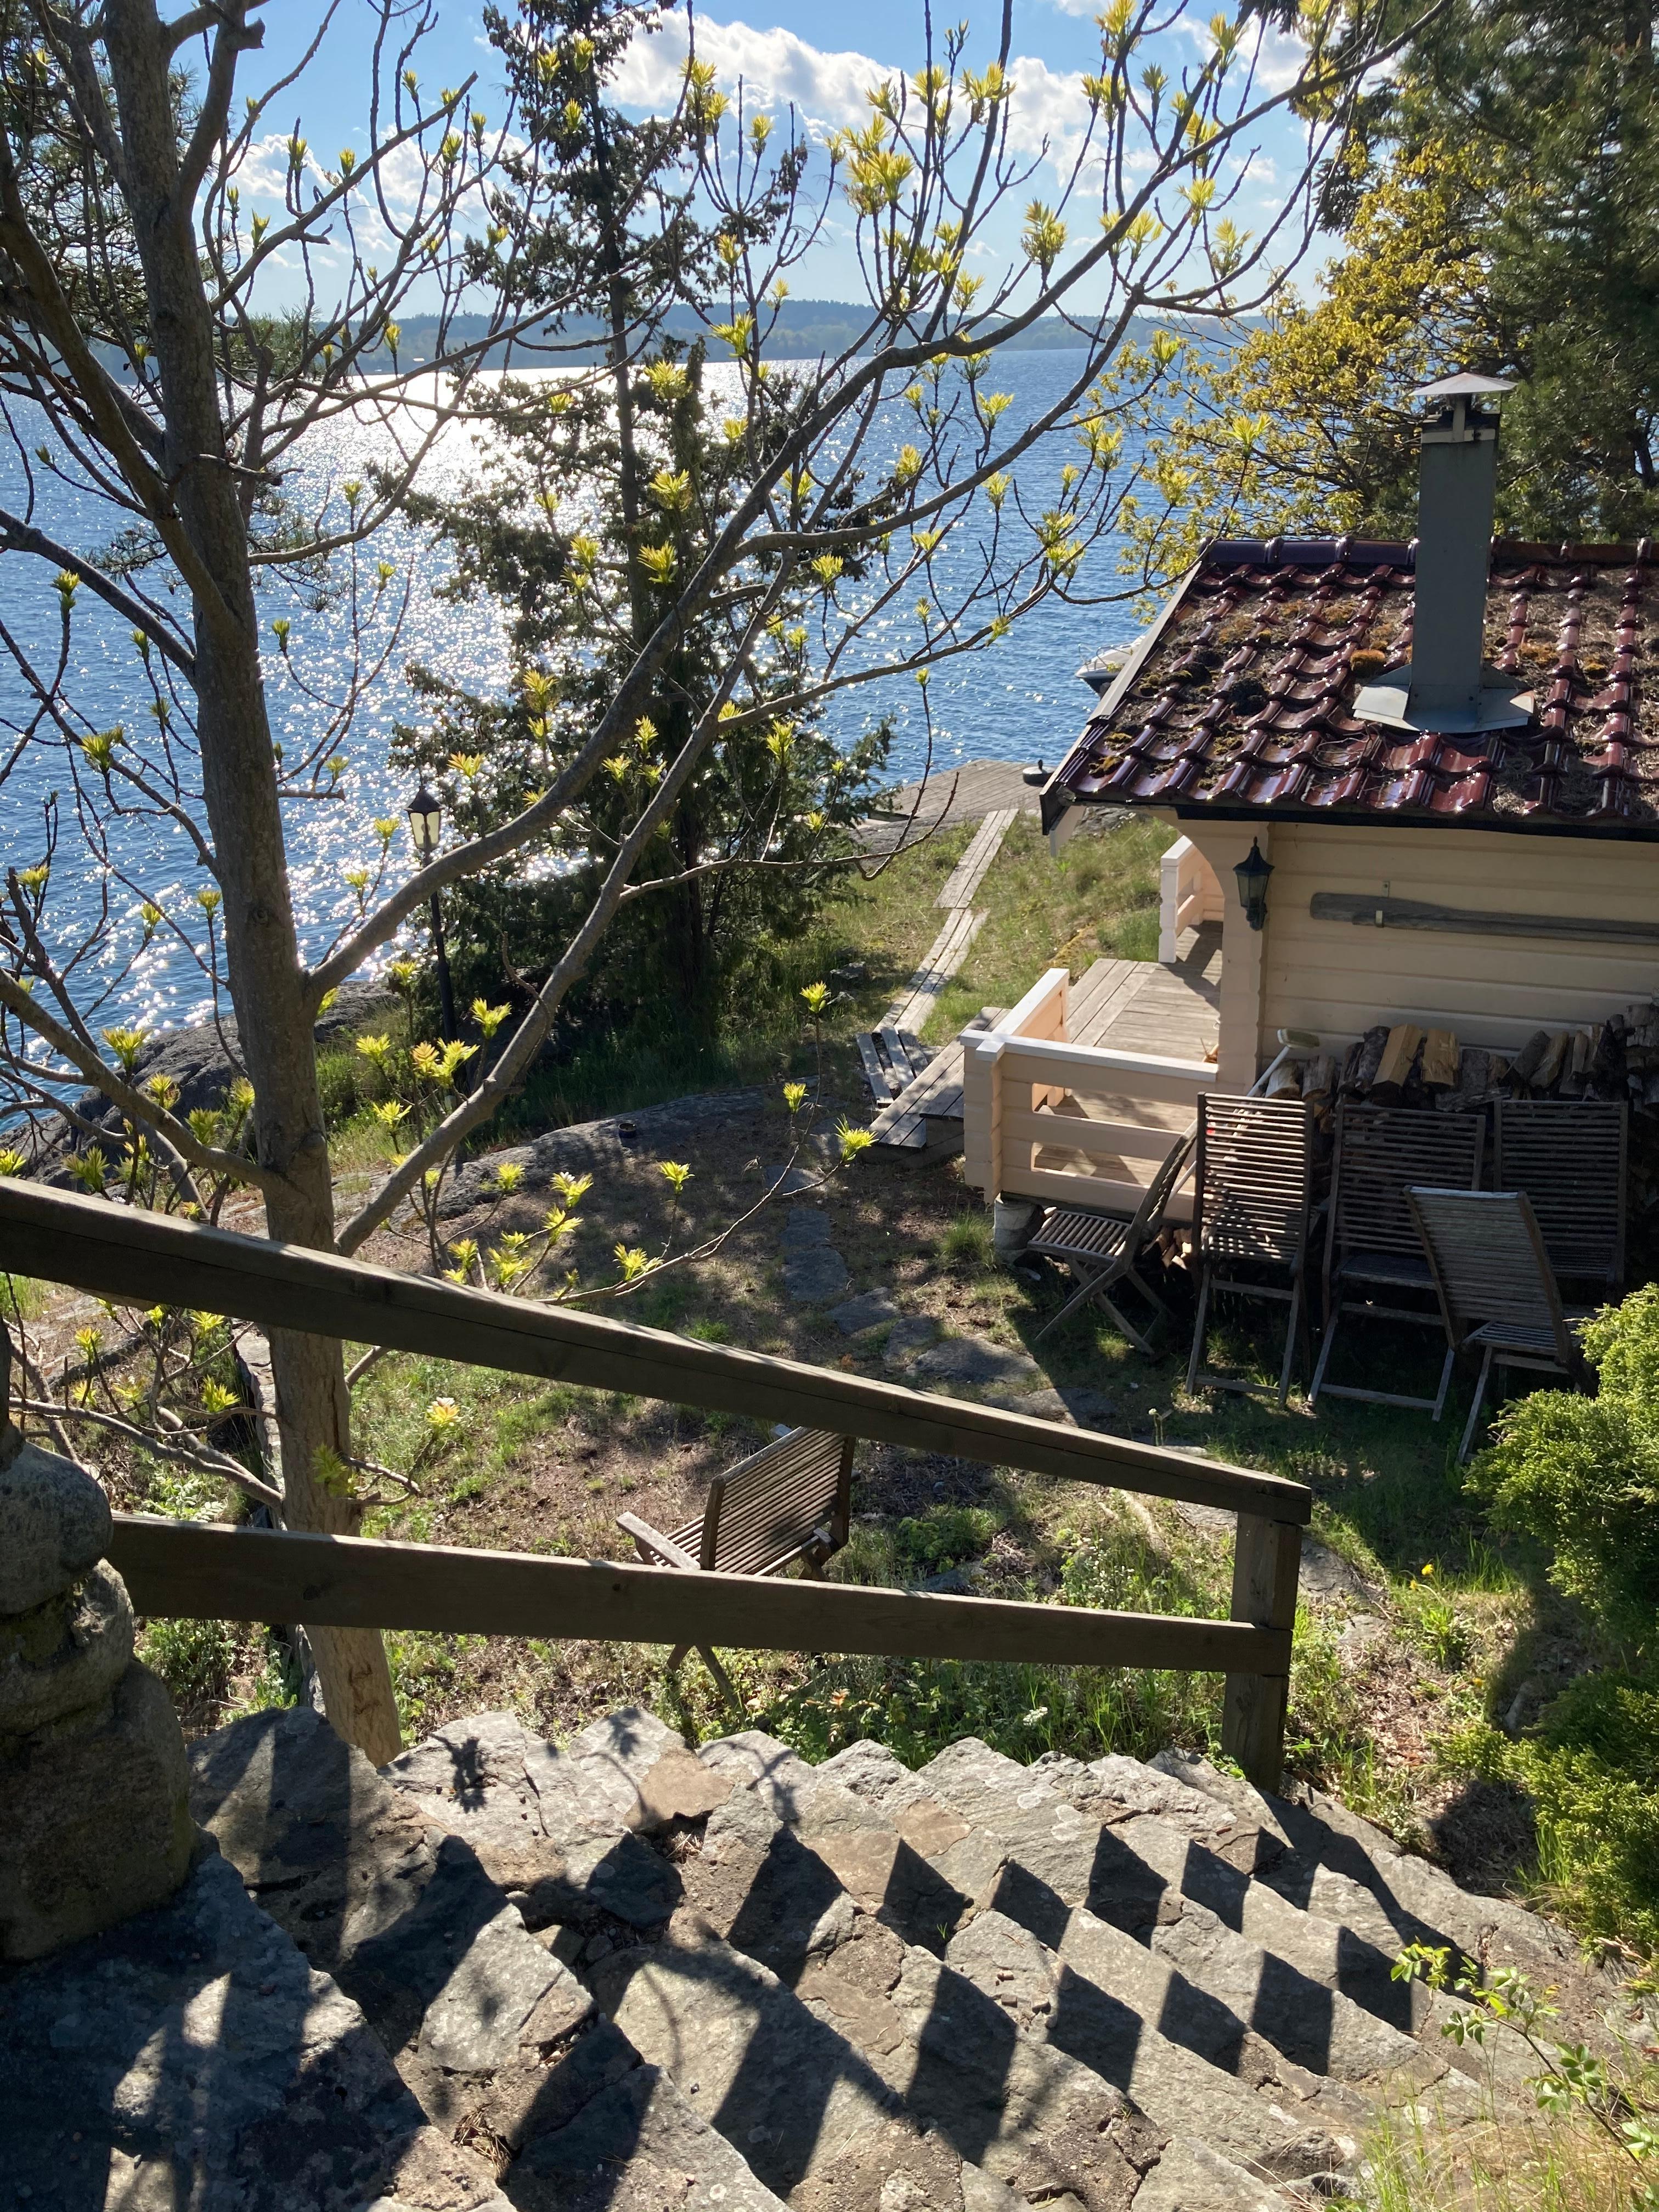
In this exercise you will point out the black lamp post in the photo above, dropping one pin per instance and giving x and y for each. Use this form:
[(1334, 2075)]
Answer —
[(426, 822), (1253, 872)]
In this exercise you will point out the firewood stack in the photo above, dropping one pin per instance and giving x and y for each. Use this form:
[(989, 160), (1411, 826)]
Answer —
[(1406, 1065)]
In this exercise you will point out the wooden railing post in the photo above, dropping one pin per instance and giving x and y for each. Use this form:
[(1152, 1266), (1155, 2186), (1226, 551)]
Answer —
[(1267, 1559)]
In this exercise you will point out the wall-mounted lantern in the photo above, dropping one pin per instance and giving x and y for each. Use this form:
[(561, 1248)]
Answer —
[(1253, 873)]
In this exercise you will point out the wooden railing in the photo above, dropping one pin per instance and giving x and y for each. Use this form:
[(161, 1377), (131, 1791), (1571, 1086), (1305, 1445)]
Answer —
[(1187, 894), (224, 1573), (1025, 1088)]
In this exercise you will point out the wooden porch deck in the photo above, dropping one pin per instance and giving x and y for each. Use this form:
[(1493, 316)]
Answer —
[(1121, 1005)]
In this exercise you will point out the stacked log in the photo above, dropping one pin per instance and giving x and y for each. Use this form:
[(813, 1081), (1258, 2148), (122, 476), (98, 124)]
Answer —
[(1403, 1064)]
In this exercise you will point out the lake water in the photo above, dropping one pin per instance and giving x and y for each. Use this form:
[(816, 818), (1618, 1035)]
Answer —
[(1018, 700)]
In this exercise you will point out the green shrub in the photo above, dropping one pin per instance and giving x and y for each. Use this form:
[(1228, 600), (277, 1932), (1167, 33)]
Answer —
[(340, 1085), (916, 1707), (423, 1670), (194, 1658), (1580, 1475), (1434, 1619), (1591, 1771)]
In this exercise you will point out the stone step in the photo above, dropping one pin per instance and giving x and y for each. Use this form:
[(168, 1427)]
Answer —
[(792, 1849), (625, 1974), (396, 1885), (787, 2006), (1036, 1854), (1342, 1870), (190, 2056), (1198, 2042), (1102, 2020)]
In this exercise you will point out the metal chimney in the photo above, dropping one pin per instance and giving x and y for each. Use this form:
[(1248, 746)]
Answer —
[(1445, 685)]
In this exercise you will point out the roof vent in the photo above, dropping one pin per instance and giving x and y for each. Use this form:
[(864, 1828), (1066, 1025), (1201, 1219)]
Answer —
[(1445, 686)]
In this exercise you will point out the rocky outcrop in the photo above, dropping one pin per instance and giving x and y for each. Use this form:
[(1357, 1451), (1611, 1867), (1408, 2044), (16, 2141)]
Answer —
[(96, 1824), (204, 1060), (598, 1148)]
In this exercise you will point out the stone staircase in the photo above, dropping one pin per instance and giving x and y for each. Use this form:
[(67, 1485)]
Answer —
[(627, 1975)]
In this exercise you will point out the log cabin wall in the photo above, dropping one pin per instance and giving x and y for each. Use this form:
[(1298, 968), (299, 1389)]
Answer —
[(1339, 978)]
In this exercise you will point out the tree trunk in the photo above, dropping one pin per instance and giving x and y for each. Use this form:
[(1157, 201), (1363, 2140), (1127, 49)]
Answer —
[(244, 819)]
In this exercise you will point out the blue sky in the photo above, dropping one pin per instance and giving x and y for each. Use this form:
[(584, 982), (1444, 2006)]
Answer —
[(819, 58)]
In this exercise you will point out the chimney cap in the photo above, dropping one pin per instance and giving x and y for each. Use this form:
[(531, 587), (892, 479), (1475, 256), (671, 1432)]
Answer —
[(1464, 385)]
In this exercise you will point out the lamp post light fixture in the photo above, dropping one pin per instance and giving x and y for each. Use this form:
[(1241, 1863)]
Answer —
[(426, 822), (1252, 873)]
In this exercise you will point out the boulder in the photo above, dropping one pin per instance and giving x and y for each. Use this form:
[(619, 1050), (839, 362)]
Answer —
[(67, 1655), (92, 1762), (97, 1824), (54, 1523)]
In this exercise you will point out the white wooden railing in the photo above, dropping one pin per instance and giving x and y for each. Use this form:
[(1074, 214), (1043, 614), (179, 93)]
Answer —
[(1188, 893), (1026, 1087)]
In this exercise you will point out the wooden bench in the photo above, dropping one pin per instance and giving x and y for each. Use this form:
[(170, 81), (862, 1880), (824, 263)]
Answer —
[(792, 1500)]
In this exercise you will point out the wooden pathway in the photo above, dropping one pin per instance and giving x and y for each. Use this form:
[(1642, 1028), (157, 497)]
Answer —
[(939, 964), (962, 885), (943, 957)]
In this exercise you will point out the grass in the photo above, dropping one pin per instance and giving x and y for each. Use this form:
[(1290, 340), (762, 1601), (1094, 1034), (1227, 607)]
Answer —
[(1099, 900), (1415, 2161)]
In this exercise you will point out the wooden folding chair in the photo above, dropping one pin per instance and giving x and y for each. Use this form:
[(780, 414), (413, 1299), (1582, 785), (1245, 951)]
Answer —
[(791, 1500), (1254, 1193), (1495, 1285), (1570, 1158), (1372, 1248), (1103, 1250)]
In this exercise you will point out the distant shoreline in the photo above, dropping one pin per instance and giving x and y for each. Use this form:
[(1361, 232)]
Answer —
[(804, 329)]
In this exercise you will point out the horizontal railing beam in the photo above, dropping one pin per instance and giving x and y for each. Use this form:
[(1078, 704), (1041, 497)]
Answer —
[(200, 1571), (1081, 1133), (138, 1258), (1042, 1052)]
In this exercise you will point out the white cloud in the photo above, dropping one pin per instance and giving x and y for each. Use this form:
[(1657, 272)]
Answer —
[(1280, 58), (407, 182), (1277, 58), (1049, 109), (1047, 115), (775, 67)]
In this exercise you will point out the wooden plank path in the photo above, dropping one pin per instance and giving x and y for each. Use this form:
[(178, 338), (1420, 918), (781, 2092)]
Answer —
[(943, 958), (936, 1093), (961, 884), (948, 951)]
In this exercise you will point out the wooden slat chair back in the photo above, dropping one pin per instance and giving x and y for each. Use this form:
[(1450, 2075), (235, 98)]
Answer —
[(1371, 1241), (1102, 1251), (1253, 1195), (1570, 1158), (791, 1500), (1496, 1289)]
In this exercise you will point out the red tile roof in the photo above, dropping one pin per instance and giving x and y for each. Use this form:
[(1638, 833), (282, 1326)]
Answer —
[(1240, 703)]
